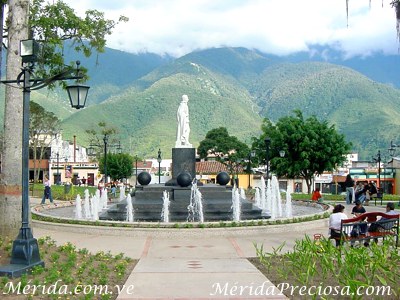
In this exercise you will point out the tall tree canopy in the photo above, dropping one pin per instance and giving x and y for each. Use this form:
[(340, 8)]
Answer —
[(311, 146), (43, 127), (226, 149), (119, 166), (50, 22), (53, 23)]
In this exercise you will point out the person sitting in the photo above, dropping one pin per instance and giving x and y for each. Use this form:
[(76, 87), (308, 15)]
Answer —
[(382, 224), (316, 195), (358, 210), (372, 190), (389, 211), (335, 222)]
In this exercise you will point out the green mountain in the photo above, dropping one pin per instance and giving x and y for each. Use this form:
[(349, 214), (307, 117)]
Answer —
[(232, 87)]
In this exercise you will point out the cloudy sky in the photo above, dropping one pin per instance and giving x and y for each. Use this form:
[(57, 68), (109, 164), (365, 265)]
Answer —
[(177, 27)]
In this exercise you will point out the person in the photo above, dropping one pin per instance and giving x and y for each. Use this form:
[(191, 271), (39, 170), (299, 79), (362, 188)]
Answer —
[(349, 185), (372, 190), (335, 223), (316, 195), (47, 190), (363, 194), (358, 190), (389, 211), (84, 181), (114, 189), (357, 210), (382, 224), (182, 136)]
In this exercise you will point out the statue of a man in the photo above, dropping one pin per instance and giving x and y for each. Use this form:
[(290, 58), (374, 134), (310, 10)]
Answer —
[(182, 136)]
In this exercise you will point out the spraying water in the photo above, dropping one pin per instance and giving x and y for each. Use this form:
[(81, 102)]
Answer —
[(95, 206), (242, 194), (195, 207), (121, 192), (288, 205), (263, 200), (129, 209), (165, 209), (78, 207), (86, 206), (257, 198), (103, 200), (277, 195), (236, 208)]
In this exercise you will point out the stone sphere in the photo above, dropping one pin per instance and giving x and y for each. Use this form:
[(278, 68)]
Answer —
[(184, 179), (223, 178), (144, 178)]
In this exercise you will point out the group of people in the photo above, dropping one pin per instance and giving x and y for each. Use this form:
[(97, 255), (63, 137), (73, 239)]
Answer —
[(338, 215), (362, 191)]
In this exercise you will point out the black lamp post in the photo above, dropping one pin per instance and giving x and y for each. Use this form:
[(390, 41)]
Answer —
[(252, 154), (25, 251), (377, 159), (267, 148), (159, 159), (136, 160), (58, 168), (105, 140)]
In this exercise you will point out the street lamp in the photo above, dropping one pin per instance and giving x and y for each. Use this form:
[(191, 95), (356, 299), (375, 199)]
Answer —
[(25, 251), (136, 160), (92, 152), (377, 159), (252, 154), (392, 149), (159, 159), (267, 141), (58, 168), (105, 140)]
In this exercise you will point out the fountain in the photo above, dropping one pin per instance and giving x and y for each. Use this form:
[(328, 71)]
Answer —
[(288, 205), (165, 209), (189, 200), (129, 209), (86, 206), (195, 207), (95, 207), (78, 207), (236, 199)]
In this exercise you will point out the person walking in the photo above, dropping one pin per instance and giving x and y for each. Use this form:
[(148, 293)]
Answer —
[(47, 190), (349, 185)]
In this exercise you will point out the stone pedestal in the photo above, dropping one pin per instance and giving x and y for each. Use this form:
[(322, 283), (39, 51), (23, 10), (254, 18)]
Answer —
[(183, 160)]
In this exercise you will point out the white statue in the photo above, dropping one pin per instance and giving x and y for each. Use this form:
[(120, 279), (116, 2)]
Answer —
[(182, 136)]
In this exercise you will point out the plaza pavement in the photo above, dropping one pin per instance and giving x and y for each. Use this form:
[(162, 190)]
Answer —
[(190, 263)]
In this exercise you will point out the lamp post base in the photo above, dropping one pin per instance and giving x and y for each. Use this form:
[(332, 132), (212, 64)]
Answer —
[(25, 255)]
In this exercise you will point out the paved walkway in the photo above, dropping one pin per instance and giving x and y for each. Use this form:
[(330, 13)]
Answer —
[(190, 264)]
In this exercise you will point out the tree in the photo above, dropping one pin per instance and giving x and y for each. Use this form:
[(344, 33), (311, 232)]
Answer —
[(119, 166), (226, 149), (11, 183), (98, 135), (52, 23), (43, 128), (311, 146)]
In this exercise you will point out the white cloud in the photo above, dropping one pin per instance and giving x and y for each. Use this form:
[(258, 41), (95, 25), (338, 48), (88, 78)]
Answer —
[(177, 27)]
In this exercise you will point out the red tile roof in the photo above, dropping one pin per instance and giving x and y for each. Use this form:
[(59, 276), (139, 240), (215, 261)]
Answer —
[(212, 167)]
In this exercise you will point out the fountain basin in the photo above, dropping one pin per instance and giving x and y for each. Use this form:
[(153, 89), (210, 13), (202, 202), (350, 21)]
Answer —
[(148, 204), (64, 213)]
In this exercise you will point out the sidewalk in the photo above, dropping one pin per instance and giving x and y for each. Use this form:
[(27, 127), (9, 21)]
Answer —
[(190, 263)]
